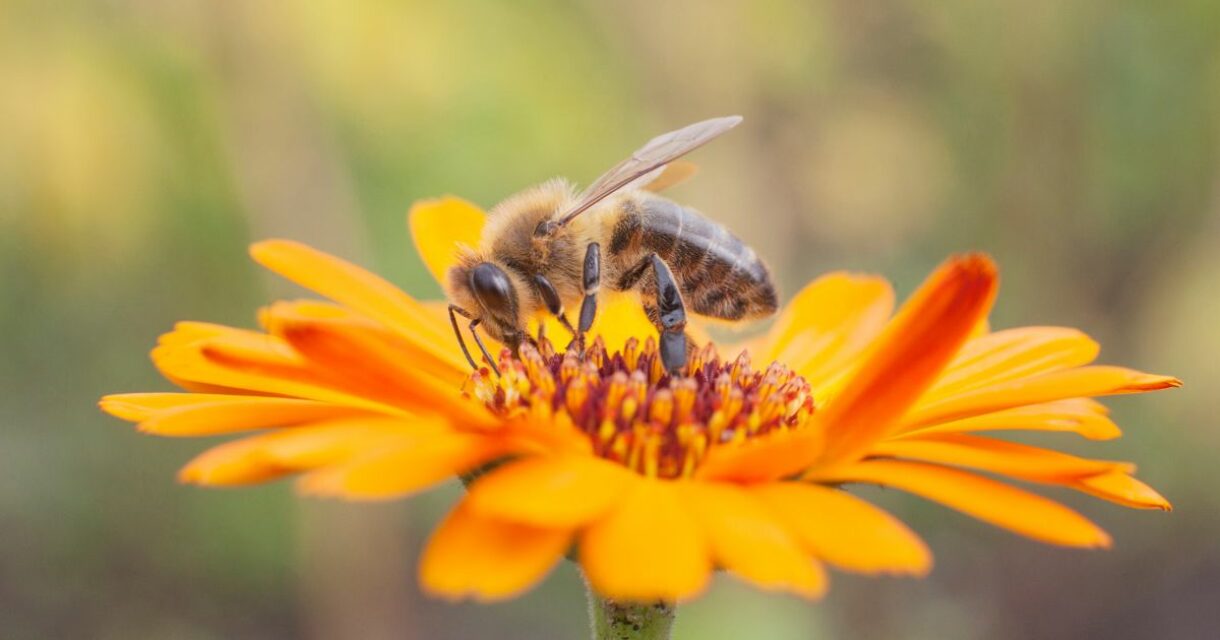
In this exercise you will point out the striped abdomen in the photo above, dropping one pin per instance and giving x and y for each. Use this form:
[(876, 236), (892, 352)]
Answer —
[(719, 275)]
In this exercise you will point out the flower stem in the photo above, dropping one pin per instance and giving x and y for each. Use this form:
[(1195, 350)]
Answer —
[(629, 620)]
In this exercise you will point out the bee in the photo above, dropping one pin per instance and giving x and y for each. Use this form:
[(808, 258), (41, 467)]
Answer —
[(550, 248)]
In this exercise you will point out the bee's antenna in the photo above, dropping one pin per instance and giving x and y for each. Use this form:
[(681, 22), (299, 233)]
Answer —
[(453, 311)]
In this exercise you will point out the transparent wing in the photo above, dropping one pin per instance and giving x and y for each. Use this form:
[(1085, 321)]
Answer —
[(653, 156)]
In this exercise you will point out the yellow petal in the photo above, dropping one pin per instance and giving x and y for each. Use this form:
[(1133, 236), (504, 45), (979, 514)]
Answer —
[(674, 173), (404, 466), (828, 323), (996, 456), (990, 501), (1011, 354), (1076, 415), (1057, 385), (551, 491), (439, 226), (472, 555), (364, 292), (1121, 488), (844, 530), (649, 548), (746, 539), (908, 356)]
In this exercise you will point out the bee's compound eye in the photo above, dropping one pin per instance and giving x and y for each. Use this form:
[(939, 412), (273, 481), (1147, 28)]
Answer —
[(493, 288)]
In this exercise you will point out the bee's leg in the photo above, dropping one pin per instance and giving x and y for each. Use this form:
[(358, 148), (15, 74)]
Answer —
[(554, 305), (592, 281), (669, 314), (454, 309)]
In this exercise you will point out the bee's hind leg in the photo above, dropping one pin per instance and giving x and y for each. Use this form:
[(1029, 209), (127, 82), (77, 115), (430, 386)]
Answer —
[(591, 281), (663, 303)]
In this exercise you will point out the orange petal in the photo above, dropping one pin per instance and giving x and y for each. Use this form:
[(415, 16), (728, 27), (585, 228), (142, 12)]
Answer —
[(996, 456), (746, 539), (1010, 354), (472, 555), (908, 356), (1076, 415), (135, 407), (439, 226), (1057, 385), (216, 415), (364, 292), (828, 323), (1121, 488), (404, 466), (271, 455), (990, 501), (649, 548), (252, 361), (844, 530), (766, 458), (551, 491), (383, 371)]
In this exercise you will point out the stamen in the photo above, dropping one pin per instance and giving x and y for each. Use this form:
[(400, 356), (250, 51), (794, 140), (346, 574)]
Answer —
[(634, 412)]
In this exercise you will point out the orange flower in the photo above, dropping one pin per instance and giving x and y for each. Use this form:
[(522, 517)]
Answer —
[(655, 482)]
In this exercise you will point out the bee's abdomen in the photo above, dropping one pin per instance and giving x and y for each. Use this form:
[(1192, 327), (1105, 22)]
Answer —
[(719, 275)]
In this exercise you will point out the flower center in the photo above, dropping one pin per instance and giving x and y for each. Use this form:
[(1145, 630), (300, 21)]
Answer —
[(636, 414)]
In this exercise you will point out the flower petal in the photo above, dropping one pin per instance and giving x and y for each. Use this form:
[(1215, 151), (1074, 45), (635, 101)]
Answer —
[(763, 458), (746, 538), (208, 414), (1010, 354), (439, 226), (996, 456), (1077, 415), (551, 491), (473, 555), (272, 455), (354, 287), (828, 323), (404, 466), (1057, 385), (845, 530), (135, 407), (908, 356), (368, 362), (1000, 504), (649, 548), (1120, 488), (251, 362)]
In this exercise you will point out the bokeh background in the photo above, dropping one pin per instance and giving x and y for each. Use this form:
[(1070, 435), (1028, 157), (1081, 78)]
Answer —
[(144, 144)]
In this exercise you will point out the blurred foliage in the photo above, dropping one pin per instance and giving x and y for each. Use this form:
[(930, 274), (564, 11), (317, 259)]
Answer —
[(143, 144)]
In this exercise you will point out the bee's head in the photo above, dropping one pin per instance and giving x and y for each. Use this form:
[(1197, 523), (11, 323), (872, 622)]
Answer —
[(490, 292)]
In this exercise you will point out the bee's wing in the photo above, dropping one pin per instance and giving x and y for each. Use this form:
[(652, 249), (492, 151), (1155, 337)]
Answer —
[(650, 158)]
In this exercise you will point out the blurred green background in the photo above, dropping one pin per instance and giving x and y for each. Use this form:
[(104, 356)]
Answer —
[(143, 144)]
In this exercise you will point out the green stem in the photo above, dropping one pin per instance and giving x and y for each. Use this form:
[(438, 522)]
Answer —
[(628, 620)]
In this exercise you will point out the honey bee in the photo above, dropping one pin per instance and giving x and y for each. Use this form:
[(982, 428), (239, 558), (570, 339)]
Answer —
[(542, 252)]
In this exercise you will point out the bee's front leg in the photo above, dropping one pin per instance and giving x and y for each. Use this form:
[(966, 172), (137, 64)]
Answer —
[(554, 305)]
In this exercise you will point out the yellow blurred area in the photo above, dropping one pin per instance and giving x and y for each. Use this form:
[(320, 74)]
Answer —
[(144, 144)]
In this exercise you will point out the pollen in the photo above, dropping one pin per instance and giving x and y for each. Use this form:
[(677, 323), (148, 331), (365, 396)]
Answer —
[(636, 414)]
